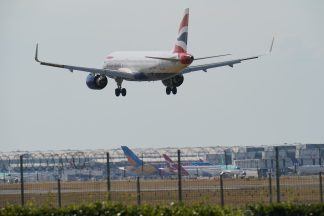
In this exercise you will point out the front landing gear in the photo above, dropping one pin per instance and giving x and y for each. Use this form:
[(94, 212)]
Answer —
[(119, 90), (169, 89)]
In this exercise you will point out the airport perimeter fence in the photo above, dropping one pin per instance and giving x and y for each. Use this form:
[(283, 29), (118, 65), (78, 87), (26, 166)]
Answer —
[(221, 190)]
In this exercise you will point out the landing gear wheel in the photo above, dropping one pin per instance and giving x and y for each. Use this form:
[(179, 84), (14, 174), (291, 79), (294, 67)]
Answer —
[(123, 92), (117, 92), (174, 90), (168, 90)]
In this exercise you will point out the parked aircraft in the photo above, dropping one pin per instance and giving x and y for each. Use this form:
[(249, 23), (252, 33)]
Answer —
[(137, 166), (205, 169), (166, 66), (9, 177), (310, 169)]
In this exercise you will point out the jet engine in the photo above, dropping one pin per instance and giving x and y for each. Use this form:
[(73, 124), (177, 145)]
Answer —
[(175, 81), (96, 82)]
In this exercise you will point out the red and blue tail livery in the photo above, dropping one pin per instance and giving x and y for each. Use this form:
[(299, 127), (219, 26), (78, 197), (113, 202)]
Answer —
[(181, 43), (173, 167)]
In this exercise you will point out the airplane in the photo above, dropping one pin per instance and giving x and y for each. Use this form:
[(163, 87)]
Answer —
[(310, 169), (9, 177), (172, 167), (204, 170), (166, 66), (137, 166), (188, 170)]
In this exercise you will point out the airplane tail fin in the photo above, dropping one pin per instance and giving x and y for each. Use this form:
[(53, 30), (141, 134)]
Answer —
[(131, 157), (181, 43), (174, 166), (170, 163)]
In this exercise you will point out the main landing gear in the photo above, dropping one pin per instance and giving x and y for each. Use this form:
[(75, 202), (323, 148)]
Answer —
[(169, 89), (119, 90)]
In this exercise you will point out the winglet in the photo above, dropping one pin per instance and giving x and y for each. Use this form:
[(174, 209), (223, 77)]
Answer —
[(36, 53), (267, 53), (271, 46)]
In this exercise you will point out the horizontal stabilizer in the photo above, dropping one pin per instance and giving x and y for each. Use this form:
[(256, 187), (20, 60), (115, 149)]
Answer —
[(162, 58), (174, 59)]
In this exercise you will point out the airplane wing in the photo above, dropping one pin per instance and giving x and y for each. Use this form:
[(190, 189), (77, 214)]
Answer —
[(205, 67), (109, 73), (230, 63)]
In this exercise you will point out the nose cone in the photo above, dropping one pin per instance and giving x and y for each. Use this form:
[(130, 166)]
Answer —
[(186, 59)]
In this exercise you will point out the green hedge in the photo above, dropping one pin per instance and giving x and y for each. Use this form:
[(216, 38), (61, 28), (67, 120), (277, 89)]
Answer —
[(94, 209)]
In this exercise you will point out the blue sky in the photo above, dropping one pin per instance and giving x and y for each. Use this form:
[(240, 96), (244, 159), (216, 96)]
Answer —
[(275, 99)]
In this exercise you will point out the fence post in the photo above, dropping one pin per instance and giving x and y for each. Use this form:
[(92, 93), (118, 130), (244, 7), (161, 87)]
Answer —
[(277, 174), (321, 187), (221, 189), (225, 158), (142, 165), (138, 190), (108, 176), (270, 188), (319, 156), (22, 191), (320, 175), (59, 198), (179, 177)]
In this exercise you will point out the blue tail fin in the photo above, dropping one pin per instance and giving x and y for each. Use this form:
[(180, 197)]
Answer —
[(131, 157)]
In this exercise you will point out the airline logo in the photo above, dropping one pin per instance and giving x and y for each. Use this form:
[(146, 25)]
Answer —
[(181, 43)]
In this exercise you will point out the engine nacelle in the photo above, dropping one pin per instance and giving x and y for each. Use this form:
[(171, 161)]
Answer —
[(174, 81), (96, 82)]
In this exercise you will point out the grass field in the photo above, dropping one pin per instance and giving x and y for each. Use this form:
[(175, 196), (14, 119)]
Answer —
[(237, 192)]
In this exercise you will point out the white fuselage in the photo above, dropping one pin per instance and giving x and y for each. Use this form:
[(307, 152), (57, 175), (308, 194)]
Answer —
[(212, 170), (142, 67), (310, 169)]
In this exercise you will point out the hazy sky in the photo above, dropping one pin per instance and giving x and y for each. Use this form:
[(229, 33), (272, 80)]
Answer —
[(273, 100)]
